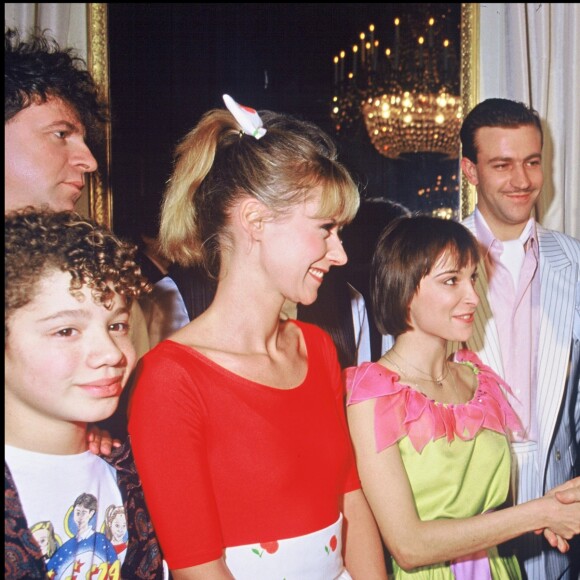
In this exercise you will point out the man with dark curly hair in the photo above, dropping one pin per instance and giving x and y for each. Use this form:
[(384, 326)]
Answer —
[(52, 113), (69, 285), (52, 109)]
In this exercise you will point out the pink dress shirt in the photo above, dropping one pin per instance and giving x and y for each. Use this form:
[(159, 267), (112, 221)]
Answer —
[(514, 293)]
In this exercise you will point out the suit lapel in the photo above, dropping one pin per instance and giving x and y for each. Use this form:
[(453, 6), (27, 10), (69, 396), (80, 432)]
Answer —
[(557, 287)]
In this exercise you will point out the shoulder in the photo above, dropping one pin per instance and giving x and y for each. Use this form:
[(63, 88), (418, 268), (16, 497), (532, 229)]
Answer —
[(369, 381), (121, 458), (168, 372), (167, 353), (314, 336), (465, 355), (471, 359), (22, 555), (489, 382), (166, 359), (552, 241), (398, 411), (144, 558), (310, 331), (469, 222)]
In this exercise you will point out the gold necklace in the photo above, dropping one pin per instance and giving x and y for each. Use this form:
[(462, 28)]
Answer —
[(406, 373), (438, 381)]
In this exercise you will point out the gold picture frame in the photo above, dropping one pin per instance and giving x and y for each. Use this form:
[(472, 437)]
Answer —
[(100, 195), (469, 86)]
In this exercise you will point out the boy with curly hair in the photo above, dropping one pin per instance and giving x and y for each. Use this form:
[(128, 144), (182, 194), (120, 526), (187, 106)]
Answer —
[(69, 285)]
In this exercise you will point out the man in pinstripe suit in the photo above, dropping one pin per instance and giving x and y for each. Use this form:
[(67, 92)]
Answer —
[(527, 326)]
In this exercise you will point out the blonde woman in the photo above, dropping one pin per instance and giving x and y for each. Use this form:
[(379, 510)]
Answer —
[(237, 420)]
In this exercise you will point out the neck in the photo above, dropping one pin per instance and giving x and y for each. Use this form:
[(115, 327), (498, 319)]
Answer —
[(503, 231), (53, 438), (242, 320), (428, 356)]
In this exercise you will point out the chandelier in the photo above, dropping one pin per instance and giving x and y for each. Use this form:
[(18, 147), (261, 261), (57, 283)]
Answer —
[(407, 92)]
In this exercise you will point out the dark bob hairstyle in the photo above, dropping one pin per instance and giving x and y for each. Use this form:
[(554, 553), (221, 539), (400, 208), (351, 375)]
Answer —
[(407, 250)]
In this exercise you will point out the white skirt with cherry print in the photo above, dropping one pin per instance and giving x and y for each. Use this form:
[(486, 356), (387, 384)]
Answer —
[(315, 556)]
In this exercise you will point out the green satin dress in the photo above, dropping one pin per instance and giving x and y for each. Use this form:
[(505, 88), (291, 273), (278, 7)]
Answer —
[(457, 457)]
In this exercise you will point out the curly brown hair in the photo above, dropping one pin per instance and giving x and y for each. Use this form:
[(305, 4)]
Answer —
[(39, 240)]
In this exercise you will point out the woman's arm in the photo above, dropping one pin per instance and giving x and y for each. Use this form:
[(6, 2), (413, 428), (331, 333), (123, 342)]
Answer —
[(167, 434), (216, 570), (413, 542), (362, 546)]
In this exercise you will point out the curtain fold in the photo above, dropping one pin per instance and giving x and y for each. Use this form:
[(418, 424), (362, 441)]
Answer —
[(529, 52), (67, 22)]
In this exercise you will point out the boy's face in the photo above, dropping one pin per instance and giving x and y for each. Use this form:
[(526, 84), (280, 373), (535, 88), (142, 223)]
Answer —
[(45, 157), (66, 360)]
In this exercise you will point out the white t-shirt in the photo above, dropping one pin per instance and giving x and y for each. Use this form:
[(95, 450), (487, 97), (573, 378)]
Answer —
[(77, 541)]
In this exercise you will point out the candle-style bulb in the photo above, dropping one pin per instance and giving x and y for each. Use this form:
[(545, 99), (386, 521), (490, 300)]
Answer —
[(431, 23), (362, 48), (445, 55)]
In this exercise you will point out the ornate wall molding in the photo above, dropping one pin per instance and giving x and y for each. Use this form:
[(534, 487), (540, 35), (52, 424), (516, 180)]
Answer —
[(469, 86), (100, 195)]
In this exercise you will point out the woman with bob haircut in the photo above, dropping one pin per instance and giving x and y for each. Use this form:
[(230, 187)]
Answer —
[(431, 433), (237, 420)]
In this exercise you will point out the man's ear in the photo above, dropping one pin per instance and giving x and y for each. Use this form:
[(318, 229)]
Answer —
[(469, 170), (252, 215)]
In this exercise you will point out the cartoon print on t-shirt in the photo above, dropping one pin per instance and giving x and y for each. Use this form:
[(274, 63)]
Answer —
[(47, 538), (88, 553), (115, 527)]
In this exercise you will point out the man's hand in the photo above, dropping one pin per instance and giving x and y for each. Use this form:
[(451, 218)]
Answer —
[(100, 442), (567, 493)]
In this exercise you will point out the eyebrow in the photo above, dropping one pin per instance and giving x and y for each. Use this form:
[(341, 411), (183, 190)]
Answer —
[(528, 158), (454, 271), (79, 313), (72, 127), (322, 218)]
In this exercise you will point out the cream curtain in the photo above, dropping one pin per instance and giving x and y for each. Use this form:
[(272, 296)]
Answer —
[(531, 53), (67, 24)]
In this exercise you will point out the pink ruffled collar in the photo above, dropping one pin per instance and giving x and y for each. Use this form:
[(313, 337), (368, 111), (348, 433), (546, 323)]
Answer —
[(403, 411)]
